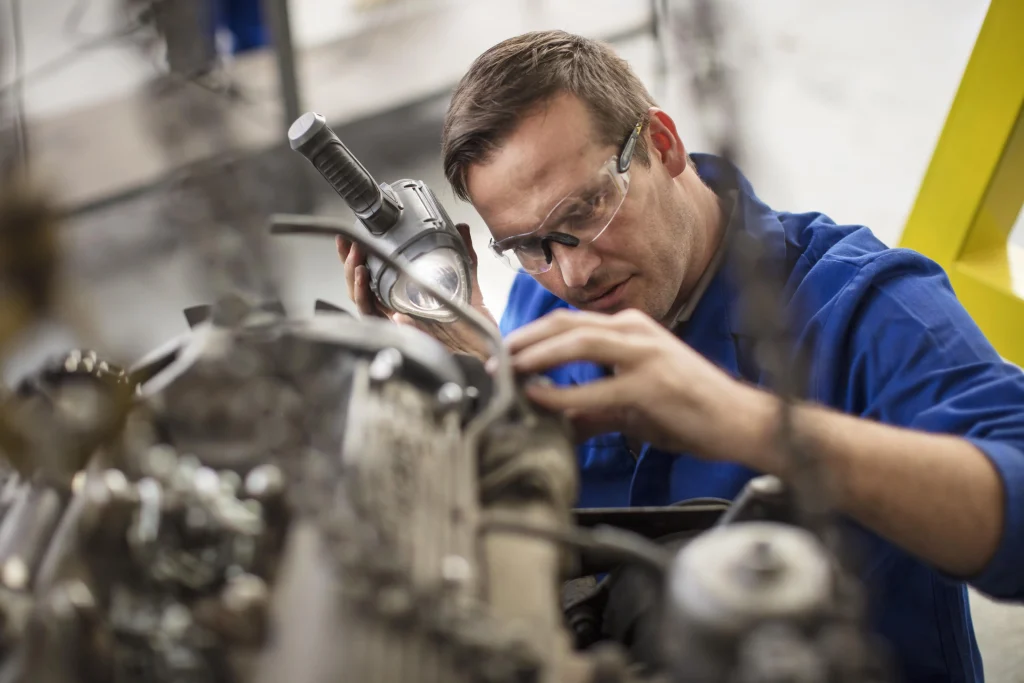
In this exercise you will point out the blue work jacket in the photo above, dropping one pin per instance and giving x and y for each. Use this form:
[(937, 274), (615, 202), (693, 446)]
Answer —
[(887, 340)]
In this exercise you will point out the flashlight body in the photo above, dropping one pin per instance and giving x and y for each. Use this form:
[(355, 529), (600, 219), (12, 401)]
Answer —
[(404, 218), (423, 226), (311, 137)]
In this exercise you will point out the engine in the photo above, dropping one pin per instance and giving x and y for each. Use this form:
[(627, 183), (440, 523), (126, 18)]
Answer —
[(337, 499)]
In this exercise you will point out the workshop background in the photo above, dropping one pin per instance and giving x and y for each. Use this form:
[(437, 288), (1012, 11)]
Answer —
[(842, 101)]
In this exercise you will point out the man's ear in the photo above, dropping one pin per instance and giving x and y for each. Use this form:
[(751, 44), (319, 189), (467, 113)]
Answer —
[(664, 142), (468, 239)]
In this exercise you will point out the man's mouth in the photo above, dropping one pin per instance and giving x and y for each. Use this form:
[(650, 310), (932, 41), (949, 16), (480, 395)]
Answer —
[(609, 298)]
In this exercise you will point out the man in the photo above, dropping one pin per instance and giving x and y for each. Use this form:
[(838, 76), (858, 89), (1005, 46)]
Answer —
[(627, 303)]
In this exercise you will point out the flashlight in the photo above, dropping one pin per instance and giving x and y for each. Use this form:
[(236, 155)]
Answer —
[(404, 218)]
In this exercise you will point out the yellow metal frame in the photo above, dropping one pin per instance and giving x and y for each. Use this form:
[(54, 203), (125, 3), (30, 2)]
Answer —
[(974, 187)]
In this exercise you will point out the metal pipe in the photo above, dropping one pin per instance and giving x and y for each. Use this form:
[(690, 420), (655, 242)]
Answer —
[(279, 23)]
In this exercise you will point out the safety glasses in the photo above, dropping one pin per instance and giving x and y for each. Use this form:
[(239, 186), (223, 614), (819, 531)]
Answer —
[(576, 220)]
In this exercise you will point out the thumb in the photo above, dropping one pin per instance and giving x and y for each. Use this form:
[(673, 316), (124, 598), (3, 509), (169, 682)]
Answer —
[(409, 321), (464, 233), (403, 319)]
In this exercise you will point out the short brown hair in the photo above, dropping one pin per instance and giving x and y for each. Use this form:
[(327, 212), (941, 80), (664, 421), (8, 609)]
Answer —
[(519, 74)]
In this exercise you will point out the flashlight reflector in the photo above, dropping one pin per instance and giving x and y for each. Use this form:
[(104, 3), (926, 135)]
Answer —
[(444, 268)]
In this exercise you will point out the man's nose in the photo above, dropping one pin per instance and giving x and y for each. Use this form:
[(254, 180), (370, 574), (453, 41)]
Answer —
[(576, 264)]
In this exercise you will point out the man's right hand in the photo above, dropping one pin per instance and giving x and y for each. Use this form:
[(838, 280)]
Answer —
[(458, 336)]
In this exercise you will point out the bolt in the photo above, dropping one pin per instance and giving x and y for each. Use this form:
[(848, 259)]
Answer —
[(385, 364), (230, 482), (245, 592), (161, 461), (763, 562), (450, 394), (455, 570), (184, 477), (767, 485), (79, 595), (264, 481), (72, 598), (176, 620), (206, 482), (148, 526), (117, 484), (14, 574)]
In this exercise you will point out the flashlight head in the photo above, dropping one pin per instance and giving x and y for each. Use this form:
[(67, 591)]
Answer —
[(426, 237), (445, 269)]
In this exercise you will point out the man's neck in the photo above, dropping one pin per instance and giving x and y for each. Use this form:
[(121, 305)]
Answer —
[(713, 218)]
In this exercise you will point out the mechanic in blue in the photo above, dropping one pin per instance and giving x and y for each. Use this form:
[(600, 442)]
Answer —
[(625, 301)]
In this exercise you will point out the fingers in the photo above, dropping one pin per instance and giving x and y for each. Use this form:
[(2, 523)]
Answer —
[(597, 345), (364, 299), (403, 319), (351, 261), (342, 245), (562, 321), (602, 397), (357, 279)]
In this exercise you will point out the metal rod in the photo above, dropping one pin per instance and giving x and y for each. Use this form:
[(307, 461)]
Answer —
[(278, 21)]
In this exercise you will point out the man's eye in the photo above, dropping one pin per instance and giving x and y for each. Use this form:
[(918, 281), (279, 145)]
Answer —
[(587, 208)]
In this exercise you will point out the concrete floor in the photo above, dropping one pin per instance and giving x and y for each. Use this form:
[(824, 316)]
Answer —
[(843, 102)]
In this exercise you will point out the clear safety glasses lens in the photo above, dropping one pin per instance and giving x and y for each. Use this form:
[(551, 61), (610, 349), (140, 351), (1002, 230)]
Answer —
[(577, 220)]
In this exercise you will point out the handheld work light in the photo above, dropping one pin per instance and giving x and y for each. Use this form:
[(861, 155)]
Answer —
[(404, 217)]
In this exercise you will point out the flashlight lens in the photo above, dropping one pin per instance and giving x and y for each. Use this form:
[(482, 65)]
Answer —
[(442, 268)]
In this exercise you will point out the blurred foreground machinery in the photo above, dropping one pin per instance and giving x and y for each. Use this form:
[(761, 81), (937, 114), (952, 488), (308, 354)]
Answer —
[(343, 500)]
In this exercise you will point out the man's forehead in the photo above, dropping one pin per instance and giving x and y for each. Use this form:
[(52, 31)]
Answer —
[(549, 156)]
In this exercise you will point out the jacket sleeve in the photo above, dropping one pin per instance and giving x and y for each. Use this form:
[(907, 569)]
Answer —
[(912, 356)]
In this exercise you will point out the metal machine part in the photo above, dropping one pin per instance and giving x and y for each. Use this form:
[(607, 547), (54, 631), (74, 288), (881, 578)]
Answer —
[(762, 601), (410, 590), (730, 579), (275, 458)]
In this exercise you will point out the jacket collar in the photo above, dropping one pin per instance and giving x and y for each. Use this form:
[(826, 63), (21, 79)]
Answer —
[(713, 312), (718, 288)]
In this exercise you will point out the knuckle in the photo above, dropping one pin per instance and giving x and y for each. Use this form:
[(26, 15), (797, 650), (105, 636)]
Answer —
[(633, 317), (560, 315)]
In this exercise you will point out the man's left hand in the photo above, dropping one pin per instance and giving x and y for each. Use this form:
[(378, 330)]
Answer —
[(661, 391)]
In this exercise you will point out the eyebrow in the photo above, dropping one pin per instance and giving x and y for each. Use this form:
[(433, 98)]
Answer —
[(590, 189), (558, 212)]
